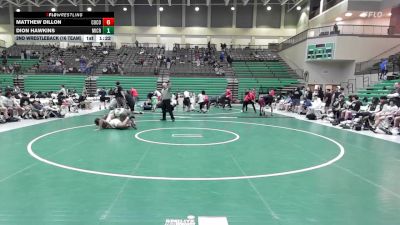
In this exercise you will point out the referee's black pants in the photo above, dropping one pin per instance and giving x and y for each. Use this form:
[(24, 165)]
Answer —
[(166, 107)]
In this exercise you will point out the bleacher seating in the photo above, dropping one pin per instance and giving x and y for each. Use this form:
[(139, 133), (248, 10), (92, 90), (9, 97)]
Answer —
[(263, 75), (185, 62), (36, 50), (135, 60), (71, 57), (382, 88), (248, 54), (51, 82), (25, 64), (212, 86), (267, 69), (6, 80)]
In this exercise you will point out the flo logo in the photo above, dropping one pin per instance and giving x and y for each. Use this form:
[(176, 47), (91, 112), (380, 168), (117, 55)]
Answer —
[(189, 221)]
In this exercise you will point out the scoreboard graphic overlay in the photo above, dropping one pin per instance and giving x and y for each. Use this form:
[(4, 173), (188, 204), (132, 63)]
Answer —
[(64, 26)]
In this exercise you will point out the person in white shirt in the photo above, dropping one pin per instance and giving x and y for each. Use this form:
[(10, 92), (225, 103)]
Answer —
[(174, 102), (316, 107), (396, 127), (116, 119), (63, 90), (157, 93), (396, 92), (192, 101), (3, 108), (10, 104), (200, 100), (186, 101), (387, 111)]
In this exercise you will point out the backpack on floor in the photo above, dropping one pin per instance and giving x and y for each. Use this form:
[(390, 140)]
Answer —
[(311, 116), (147, 107), (12, 119)]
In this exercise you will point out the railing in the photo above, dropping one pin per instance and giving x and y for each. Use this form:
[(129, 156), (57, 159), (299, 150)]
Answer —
[(255, 47), (293, 40), (350, 30), (357, 30), (297, 69), (350, 85), (365, 80), (365, 67), (270, 46)]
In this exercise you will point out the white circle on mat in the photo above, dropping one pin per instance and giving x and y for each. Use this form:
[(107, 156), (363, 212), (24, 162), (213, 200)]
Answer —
[(283, 173)]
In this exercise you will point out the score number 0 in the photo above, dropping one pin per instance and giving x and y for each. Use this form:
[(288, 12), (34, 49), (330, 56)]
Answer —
[(108, 22)]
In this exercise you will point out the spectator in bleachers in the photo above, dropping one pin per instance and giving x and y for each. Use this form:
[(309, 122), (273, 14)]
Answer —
[(367, 115), (396, 125), (353, 108), (222, 56), (387, 111), (296, 97), (383, 69), (328, 99), (168, 63), (395, 95), (337, 107), (16, 90), (288, 102), (308, 93), (303, 108), (38, 110), (335, 29), (320, 93), (3, 109), (11, 104), (28, 54), (198, 62), (4, 61), (229, 60), (63, 90), (398, 63), (102, 93), (339, 90)]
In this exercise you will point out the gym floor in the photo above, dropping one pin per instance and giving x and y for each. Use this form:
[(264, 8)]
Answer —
[(246, 169)]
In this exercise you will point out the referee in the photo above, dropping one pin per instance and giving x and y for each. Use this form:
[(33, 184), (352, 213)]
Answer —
[(166, 101)]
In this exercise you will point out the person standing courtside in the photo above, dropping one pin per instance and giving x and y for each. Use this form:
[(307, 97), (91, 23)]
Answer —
[(119, 95), (166, 101)]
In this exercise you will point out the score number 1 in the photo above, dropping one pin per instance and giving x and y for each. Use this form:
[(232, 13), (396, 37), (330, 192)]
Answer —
[(108, 25)]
